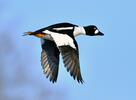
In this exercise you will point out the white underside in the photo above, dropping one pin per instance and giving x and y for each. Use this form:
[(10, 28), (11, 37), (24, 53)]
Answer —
[(61, 39)]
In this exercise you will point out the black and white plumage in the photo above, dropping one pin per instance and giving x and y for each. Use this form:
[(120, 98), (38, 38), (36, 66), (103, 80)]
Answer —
[(59, 38), (50, 59)]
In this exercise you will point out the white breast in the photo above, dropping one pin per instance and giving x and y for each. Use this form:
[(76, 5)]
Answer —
[(78, 31)]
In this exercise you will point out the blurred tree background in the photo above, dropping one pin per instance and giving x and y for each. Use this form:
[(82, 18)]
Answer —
[(16, 83), (17, 80)]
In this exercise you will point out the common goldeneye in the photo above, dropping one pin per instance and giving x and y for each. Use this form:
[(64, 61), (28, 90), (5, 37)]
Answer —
[(59, 38)]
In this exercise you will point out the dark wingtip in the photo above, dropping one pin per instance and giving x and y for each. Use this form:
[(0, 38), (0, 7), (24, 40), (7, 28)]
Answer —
[(80, 81), (53, 81)]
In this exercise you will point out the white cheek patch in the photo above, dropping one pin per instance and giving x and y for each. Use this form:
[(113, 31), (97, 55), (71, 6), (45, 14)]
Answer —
[(96, 32)]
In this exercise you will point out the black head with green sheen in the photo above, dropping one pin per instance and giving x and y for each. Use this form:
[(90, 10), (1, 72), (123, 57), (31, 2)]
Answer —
[(92, 30)]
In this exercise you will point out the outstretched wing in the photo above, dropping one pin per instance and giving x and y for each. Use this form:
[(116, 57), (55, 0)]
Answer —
[(69, 50), (50, 59), (71, 61)]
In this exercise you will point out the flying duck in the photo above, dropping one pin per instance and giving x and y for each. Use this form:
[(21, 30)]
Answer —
[(60, 38)]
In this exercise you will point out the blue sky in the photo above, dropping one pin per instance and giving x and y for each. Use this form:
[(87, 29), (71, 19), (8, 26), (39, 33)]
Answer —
[(107, 63)]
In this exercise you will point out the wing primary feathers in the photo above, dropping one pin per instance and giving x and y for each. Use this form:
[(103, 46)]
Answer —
[(71, 61), (50, 60)]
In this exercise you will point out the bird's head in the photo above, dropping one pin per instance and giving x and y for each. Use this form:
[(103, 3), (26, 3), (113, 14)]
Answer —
[(92, 30)]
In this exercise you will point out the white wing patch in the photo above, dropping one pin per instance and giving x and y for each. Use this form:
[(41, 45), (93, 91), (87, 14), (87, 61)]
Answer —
[(63, 28), (61, 39)]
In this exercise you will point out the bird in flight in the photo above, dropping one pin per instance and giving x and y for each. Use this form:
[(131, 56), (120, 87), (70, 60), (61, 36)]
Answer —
[(60, 38)]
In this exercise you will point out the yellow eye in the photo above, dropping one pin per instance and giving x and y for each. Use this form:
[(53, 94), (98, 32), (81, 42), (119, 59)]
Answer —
[(94, 28)]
